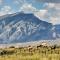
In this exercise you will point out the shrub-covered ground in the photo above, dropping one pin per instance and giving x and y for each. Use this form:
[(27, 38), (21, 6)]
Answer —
[(30, 53)]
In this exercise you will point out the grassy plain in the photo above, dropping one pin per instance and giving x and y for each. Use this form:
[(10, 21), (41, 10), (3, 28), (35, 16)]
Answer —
[(30, 53)]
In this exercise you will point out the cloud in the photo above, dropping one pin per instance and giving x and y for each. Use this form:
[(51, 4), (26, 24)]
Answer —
[(41, 13), (5, 10), (53, 5), (28, 8), (49, 1), (50, 13), (20, 1), (53, 12), (1, 1), (54, 20)]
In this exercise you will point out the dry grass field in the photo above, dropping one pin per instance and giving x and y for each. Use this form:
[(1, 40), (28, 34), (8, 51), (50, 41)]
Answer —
[(30, 53)]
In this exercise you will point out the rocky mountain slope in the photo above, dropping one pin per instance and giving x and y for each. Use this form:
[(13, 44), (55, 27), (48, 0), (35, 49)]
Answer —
[(22, 27)]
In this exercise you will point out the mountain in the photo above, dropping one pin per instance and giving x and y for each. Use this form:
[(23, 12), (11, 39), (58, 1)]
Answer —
[(57, 30), (23, 27)]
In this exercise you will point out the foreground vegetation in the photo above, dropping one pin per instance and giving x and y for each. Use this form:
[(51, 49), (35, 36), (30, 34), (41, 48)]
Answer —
[(31, 53)]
